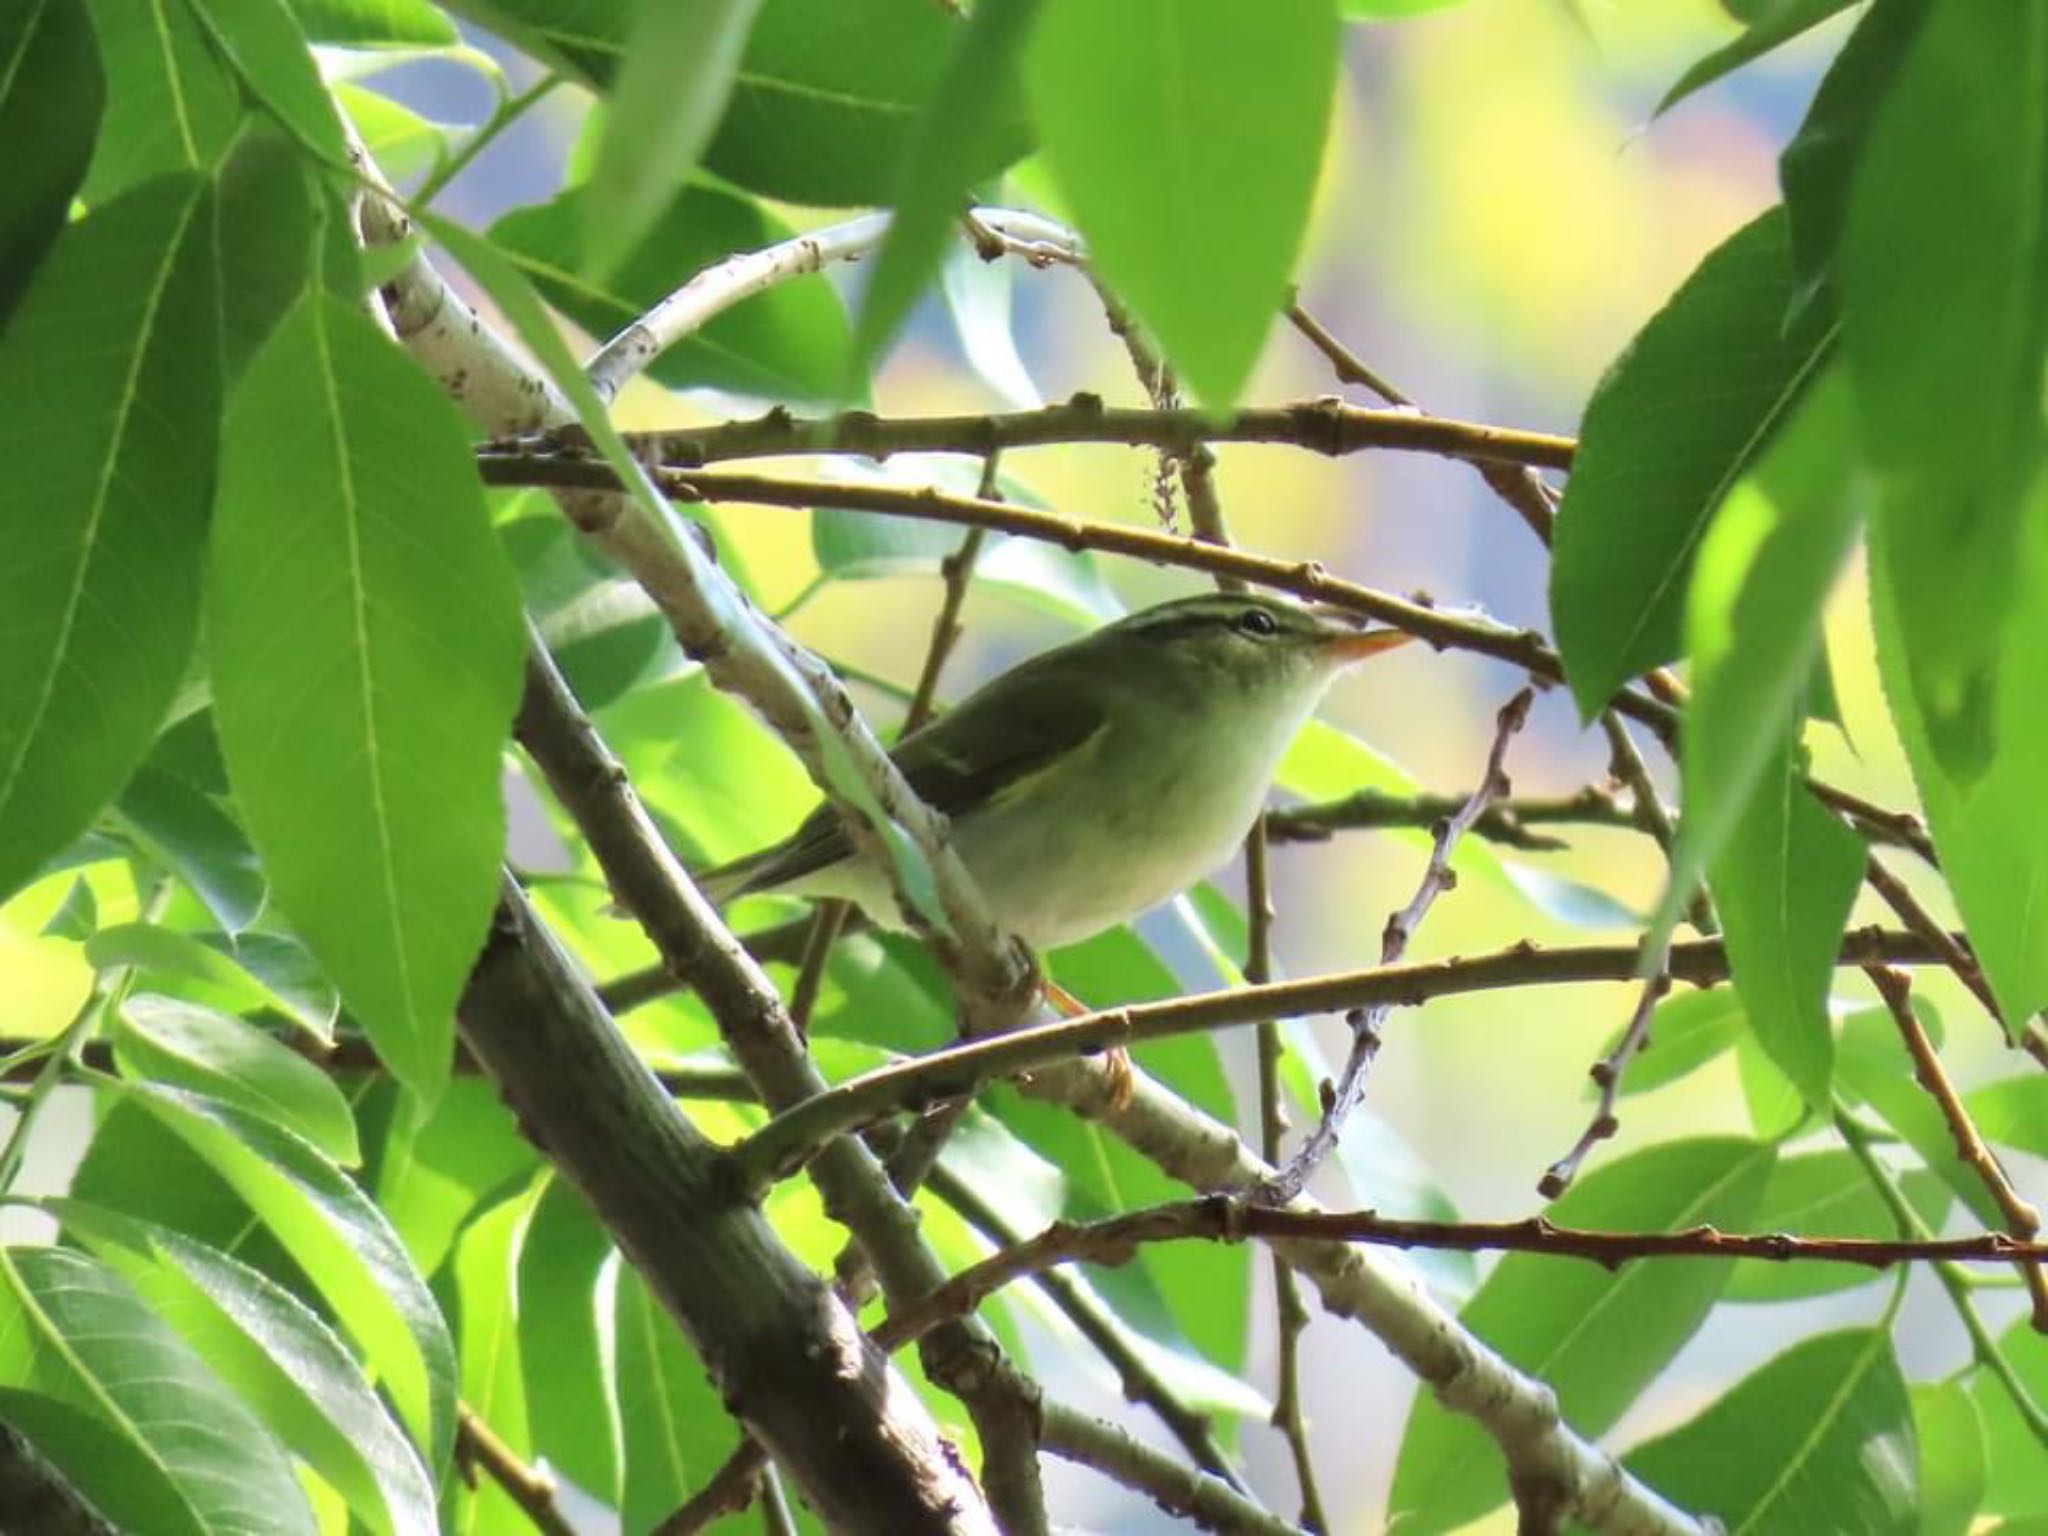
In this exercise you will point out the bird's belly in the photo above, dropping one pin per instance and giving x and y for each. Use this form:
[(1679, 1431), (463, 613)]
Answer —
[(1112, 847)]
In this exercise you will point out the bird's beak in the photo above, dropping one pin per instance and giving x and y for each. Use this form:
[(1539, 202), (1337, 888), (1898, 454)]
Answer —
[(1358, 646)]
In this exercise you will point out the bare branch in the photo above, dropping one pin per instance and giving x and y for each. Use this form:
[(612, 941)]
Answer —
[(1207, 1500), (1367, 1023)]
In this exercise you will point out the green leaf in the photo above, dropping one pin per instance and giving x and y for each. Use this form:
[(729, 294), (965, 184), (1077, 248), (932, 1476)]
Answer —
[(1826, 1194), (2012, 1112), (1949, 393), (486, 1275), (677, 1433), (121, 1476), (51, 95), (432, 1175), (2012, 1446), (1686, 1032), (160, 1039), (109, 400), (1820, 1439), (269, 218), (1598, 1337), (1783, 888), (402, 142), (1818, 165), (1873, 1067), (568, 1402), (681, 59), (274, 1351), (1772, 25), (343, 1244), (1769, 558), (364, 631), (172, 105), (375, 22), (1676, 422), (1145, 109), (1392, 10), (262, 43), (73, 1330), (78, 916), (1950, 1434), (788, 342), (960, 134), (830, 97), (1992, 840), (197, 841)]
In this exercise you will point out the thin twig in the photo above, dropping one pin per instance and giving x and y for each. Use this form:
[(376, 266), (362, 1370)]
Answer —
[(2022, 1220), (727, 1492), (1323, 425), (1445, 629), (1516, 484), (1509, 822), (1203, 1498), (1955, 953), (1607, 1074), (1105, 1332), (1116, 1240), (792, 1138), (477, 1445), (1290, 1313), (1437, 877)]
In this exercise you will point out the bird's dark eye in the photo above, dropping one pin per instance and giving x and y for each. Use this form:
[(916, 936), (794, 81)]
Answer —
[(1256, 621)]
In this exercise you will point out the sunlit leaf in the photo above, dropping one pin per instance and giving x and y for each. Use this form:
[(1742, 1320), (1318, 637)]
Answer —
[(161, 1039), (1145, 108), (431, 1175), (1676, 422), (1874, 1068), (1827, 1194), (960, 135), (1950, 1433), (363, 627), (1992, 840), (1949, 394), (569, 1404), (676, 1431), (486, 1272), (374, 22), (344, 1245), (1686, 1032), (172, 104), (278, 1356), (109, 401), (73, 1330)]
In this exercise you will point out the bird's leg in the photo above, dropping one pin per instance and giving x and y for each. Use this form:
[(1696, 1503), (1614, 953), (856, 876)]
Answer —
[(1116, 1059)]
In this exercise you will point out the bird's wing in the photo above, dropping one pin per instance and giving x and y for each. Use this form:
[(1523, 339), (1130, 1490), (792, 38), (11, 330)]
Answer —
[(969, 756)]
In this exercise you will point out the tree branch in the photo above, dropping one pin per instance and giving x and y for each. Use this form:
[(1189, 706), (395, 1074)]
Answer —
[(1447, 630), (1326, 425), (1116, 1240), (1400, 928), (1207, 1500), (789, 1141), (780, 1348)]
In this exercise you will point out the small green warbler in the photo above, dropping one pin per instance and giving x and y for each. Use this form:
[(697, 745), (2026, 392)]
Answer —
[(1096, 780)]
